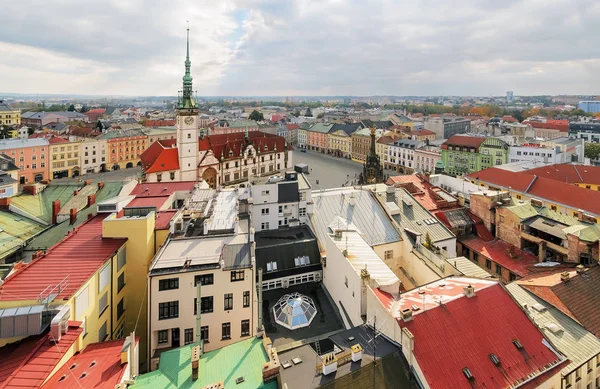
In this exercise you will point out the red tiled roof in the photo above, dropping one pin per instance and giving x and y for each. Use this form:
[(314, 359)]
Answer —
[(153, 189), (96, 111), (549, 126), (159, 123), (464, 141), (421, 132), (292, 126), (509, 119), (26, 364), (386, 140), (160, 157), (57, 139), (542, 187), (77, 256), (106, 372), (423, 192), (165, 157), (497, 251), (81, 131), (163, 220), (464, 332), (568, 173), (148, 202), (546, 294)]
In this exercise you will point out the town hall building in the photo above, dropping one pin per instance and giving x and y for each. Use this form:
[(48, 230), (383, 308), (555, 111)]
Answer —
[(222, 159)]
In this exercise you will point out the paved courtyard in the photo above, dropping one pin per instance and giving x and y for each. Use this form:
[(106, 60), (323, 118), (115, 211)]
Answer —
[(110, 176), (330, 171)]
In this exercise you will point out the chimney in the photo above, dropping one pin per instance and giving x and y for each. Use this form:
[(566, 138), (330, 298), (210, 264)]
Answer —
[(406, 314), (564, 276), (356, 352), (91, 199), (72, 215), (55, 210), (469, 291), (329, 364), (87, 182), (5, 203), (195, 362), (75, 192), (100, 185), (580, 269)]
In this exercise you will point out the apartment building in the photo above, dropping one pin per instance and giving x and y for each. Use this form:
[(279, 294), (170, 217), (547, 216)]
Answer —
[(361, 143), (446, 127), (317, 138), (557, 150), (124, 148), (9, 116), (280, 201), (463, 154), (210, 255), (93, 155), (401, 155), (64, 158), (32, 156), (427, 158)]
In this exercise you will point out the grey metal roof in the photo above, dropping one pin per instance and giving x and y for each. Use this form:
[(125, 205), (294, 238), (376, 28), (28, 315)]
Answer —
[(575, 342), (236, 256), (7, 144), (283, 246), (467, 268), (5, 107), (414, 217), (40, 115), (366, 214)]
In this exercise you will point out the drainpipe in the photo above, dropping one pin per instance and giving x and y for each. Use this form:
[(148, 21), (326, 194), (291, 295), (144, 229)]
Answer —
[(198, 322)]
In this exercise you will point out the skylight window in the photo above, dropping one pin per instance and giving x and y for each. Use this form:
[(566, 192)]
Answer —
[(494, 358), (467, 373), (517, 344)]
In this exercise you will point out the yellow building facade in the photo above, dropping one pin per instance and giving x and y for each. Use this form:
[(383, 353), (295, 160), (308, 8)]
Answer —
[(9, 116), (339, 144), (64, 158)]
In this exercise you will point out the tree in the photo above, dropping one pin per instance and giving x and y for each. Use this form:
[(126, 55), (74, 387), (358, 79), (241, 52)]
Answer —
[(84, 109), (321, 115), (296, 113), (5, 132), (71, 108), (99, 125), (256, 116), (592, 150), (309, 112)]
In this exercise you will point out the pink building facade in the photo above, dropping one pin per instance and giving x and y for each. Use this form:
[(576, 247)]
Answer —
[(30, 155)]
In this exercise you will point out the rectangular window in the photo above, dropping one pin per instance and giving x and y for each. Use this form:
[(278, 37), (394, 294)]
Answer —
[(512, 277), (102, 334), (205, 279), (121, 259), (246, 299), (264, 226), (265, 211), (168, 310), (245, 327), (271, 266), (163, 336), (120, 282), (104, 278), (237, 275), (206, 305), (389, 254), (226, 331), (488, 263), (103, 304), (204, 334), (498, 269), (168, 284), (302, 212), (82, 302), (120, 309), (189, 335), (228, 302)]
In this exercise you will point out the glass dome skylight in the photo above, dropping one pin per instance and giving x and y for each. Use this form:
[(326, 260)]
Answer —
[(294, 311)]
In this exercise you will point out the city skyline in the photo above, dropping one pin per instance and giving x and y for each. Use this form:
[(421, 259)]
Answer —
[(263, 48)]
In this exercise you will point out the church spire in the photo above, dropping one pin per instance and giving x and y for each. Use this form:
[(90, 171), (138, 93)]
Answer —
[(187, 99)]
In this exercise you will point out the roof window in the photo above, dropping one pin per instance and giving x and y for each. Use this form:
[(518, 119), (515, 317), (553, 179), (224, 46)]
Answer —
[(517, 344), (468, 373), (494, 358)]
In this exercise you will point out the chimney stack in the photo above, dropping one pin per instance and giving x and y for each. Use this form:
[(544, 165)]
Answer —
[(580, 269), (195, 362), (5, 203), (72, 216), (564, 276), (91, 199), (75, 192), (55, 210), (469, 291), (100, 185)]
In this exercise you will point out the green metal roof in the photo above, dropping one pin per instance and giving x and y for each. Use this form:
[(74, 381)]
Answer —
[(15, 230), (321, 127), (40, 205), (53, 235), (242, 123), (523, 211), (241, 359)]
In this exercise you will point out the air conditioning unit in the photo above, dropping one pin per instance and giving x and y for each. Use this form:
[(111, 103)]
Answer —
[(60, 323), (285, 283)]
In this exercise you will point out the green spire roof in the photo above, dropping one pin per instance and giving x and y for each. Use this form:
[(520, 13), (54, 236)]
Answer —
[(187, 99)]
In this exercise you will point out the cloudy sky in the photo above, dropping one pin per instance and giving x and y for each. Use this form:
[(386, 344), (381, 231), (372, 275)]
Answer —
[(301, 47)]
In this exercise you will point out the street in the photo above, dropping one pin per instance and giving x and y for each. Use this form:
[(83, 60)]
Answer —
[(329, 171)]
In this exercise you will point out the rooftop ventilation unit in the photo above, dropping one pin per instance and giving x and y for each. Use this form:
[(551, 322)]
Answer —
[(60, 323), (554, 328), (538, 307), (406, 314)]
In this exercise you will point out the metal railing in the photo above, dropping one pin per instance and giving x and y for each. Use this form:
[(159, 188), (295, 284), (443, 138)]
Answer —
[(438, 260)]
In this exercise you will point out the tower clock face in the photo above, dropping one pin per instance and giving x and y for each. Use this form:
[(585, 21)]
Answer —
[(189, 120)]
